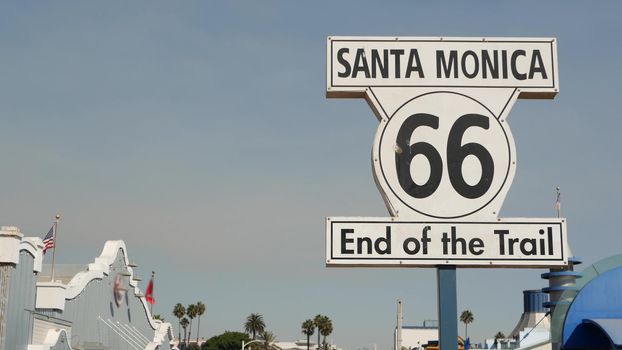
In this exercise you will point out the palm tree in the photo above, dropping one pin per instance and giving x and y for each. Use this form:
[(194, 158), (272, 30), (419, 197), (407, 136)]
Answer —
[(267, 340), (466, 317), (317, 321), (191, 310), (498, 336), (184, 324), (200, 309), (254, 324), (326, 328), (308, 328), (179, 311), (158, 317)]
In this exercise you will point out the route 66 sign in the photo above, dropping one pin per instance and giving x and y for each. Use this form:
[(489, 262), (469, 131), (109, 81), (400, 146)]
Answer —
[(443, 149)]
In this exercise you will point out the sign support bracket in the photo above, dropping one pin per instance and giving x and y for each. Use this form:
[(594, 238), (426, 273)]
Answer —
[(447, 307)]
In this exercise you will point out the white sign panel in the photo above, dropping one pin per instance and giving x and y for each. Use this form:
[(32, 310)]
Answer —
[(360, 62), (505, 243), (443, 156), (443, 149)]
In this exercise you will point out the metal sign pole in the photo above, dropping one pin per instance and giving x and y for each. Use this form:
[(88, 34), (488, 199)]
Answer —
[(447, 307)]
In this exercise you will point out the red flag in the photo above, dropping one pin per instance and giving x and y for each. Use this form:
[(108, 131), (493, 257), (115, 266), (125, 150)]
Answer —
[(149, 292)]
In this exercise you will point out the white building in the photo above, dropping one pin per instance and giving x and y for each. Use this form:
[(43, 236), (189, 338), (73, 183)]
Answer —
[(415, 337), (300, 345), (295, 345), (100, 307)]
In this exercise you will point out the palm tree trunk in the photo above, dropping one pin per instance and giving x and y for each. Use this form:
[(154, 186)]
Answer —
[(198, 329), (308, 341), (466, 334), (179, 330), (189, 332), (318, 337)]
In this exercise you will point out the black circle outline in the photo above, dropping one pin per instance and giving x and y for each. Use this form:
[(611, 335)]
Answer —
[(507, 173)]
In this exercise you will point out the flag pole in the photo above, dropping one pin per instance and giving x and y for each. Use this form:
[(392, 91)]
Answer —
[(55, 244), (558, 203), (153, 295)]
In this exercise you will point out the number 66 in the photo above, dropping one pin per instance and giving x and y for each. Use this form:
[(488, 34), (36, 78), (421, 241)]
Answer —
[(456, 153)]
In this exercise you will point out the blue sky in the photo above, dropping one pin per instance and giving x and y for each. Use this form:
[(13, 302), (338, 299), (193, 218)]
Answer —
[(199, 133)]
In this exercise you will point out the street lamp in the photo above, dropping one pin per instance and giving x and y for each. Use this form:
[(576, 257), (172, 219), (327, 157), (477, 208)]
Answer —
[(252, 341)]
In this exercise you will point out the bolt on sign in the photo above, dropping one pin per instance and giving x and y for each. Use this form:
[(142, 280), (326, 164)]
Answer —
[(443, 157)]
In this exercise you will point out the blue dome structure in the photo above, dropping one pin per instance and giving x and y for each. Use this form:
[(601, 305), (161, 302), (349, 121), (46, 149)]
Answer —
[(593, 317)]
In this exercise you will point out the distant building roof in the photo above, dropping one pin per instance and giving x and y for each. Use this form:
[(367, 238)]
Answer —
[(419, 327)]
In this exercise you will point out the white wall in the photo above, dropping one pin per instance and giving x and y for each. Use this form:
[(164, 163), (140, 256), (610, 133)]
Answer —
[(415, 338)]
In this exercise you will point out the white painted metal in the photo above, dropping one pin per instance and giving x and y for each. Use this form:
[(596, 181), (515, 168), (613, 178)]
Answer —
[(10, 238), (51, 295), (57, 338), (41, 330), (34, 246), (393, 242)]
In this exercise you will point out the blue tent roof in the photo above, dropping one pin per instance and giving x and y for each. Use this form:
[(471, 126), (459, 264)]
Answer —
[(596, 333), (594, 319), (610, 326)]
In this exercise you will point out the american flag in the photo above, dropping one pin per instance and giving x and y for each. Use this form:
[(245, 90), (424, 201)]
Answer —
[(48, 240)]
